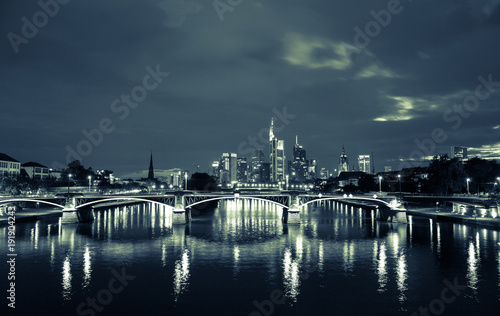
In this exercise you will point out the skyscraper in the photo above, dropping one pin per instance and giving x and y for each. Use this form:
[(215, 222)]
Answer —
[(299, 162), (364, 163), (276, 156), (241, 169), (343, 162), (257, 162), (228, 169)]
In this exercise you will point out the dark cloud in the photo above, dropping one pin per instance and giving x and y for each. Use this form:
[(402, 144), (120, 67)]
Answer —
[(228, 78)]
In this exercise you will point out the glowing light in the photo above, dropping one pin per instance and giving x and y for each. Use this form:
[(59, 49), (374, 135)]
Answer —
[(66, 279), (382, 268), (87, 270), (181, 274)]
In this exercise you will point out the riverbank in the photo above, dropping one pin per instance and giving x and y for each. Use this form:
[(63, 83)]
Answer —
[(446, 215)]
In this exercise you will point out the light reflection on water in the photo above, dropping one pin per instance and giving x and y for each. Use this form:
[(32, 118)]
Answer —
[(243, 247)]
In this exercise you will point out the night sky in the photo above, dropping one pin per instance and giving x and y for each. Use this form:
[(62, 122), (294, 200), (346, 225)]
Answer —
[(190, 81)]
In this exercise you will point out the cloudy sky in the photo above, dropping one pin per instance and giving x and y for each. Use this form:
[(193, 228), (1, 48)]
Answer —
[(109, 81)]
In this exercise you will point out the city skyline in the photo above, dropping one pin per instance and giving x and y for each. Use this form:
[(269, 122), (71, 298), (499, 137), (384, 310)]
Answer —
[(191, 82)]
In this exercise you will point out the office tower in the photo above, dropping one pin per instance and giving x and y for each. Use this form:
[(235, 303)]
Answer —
[(324, 174), (364, 163), (241, 170), (312, 167), (265, 172), (257, 161), (299, 163), (215, 168), (228, 169), (276, 156), (343, 162)]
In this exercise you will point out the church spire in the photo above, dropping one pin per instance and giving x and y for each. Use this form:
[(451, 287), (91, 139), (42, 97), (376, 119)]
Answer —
[(151, 174)]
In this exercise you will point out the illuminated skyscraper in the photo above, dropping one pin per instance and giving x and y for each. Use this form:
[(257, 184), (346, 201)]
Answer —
[(241, 169), (364, 163), (299, 162), (228, 169), (343, 162), (276, 156), (257, 162)]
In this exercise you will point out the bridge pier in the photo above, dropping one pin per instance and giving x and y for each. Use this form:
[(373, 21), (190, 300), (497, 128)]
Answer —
[(291, 216), (70, 214), (179, 215)]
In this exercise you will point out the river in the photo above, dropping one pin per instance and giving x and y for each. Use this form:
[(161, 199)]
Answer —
[(240, 259)]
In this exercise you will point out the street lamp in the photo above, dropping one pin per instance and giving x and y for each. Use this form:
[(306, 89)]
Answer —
[(185, 181), (468, 180), (69, 177), (399, 179), (89, 181), (380, 183)]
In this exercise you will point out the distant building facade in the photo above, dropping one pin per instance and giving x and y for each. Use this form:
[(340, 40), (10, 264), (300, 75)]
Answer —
[(9, 167), (35, 170)]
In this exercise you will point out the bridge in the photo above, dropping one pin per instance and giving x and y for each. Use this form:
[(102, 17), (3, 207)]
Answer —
[(76, 208)]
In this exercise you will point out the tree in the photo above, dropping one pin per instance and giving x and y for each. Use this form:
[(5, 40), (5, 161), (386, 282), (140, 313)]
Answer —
[(483, 174), (202, 182), (446, 176), (366, 183)]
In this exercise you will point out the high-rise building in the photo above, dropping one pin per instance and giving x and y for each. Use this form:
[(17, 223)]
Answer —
[(257, 161), (459, 152), (215, 168), (312, 167), (276, 156), (241, 169), (265, 173), (324, 174), (228, 169), (299, 163), (343, 162), (364, 163)]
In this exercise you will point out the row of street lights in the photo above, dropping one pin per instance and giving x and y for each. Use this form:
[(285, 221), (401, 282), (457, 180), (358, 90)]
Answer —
[(380, 183), (469, 180)]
